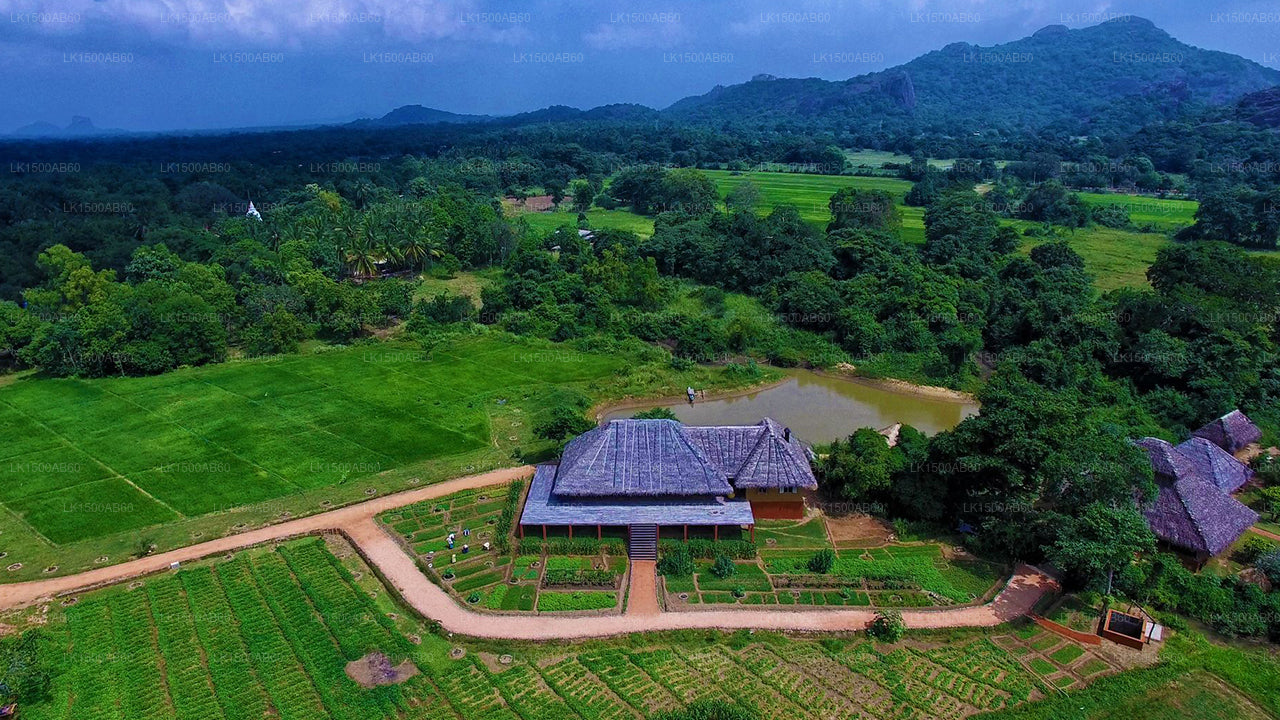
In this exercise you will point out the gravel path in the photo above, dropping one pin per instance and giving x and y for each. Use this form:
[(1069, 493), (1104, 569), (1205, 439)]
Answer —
[(27, 593), (642, 592), (380, 549)]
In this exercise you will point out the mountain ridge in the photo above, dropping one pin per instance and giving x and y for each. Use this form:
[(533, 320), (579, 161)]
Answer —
[(1124, 71)]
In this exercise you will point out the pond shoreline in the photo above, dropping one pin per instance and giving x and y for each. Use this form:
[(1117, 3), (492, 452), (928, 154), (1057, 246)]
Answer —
[(901, 387), (598, 412), (928, 395)]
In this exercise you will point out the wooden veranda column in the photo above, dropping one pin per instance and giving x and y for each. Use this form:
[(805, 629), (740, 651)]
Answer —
[(599, 533), (686, 533), (753, 533), (715, 532), (570, 532), (544, 533), (522, 532)]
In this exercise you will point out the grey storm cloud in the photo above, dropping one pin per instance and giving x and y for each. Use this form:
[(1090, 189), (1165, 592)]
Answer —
[(297, 61)]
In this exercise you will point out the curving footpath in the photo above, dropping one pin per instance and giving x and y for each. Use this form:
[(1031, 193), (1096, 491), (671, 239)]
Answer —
[(358, 523)]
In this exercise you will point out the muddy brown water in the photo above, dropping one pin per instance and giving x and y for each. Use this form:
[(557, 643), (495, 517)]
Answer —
[(820, 408)]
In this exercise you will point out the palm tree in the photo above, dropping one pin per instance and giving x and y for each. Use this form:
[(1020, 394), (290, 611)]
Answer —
[(419, 249), (361, 257), (288, 232), (380, 240)]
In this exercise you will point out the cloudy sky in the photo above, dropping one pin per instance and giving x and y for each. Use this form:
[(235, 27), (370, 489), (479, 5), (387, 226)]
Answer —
[(175, 64)]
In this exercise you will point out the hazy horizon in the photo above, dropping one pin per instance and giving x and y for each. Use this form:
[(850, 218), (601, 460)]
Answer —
[(155, 65)]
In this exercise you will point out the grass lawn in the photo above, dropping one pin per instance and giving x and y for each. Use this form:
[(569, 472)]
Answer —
[(576, 600), (1115, 258), (1163, 214), (94, 468), (748, 576), (922, 566), (810, 194), (545, 222), (468, 284), (784, 535)]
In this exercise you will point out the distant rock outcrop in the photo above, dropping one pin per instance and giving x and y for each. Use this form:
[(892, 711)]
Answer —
[(80, 126), (1261, 108)]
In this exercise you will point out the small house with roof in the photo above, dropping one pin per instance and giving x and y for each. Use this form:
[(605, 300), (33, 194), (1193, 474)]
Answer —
[(1194, 511), (1232, 432), (643, 475)]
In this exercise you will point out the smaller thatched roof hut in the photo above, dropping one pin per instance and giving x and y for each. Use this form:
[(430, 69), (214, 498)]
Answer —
[(1231, 432)]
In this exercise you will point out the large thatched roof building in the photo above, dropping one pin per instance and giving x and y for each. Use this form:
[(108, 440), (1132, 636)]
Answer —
[(1194, 510), (651, 473)]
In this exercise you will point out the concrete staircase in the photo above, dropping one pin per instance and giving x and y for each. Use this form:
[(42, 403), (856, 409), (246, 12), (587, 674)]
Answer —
[(642, 543)]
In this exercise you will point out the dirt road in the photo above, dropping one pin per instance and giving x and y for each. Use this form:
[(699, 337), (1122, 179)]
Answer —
[(358, 522)]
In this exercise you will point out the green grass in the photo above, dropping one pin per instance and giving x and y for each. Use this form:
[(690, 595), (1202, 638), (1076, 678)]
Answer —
[(1115, 258), (1196, 679), (748, 576), (810, 194), (1067, 654), (791, 535), (268, 632), (469, 284), (1092, 666), (913, 565), (91, 468), (1042, 666), (545, 222), (1162, 214), (576, 600)]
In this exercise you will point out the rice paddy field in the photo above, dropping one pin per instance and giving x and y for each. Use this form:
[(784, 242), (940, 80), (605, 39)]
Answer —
[(269, 632), (90, 470)]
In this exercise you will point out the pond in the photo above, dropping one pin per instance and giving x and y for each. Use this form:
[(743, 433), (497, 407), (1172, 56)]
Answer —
[(820, 408)]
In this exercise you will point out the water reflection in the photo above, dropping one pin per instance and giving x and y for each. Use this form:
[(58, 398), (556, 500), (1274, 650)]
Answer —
[(821, 409)]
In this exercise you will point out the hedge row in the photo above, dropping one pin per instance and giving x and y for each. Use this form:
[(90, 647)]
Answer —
[(815, 581), (706, 549), (577, 546), (557, 577), (502, 541)]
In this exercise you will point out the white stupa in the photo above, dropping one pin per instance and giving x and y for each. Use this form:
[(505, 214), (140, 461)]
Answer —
[(253, 212)]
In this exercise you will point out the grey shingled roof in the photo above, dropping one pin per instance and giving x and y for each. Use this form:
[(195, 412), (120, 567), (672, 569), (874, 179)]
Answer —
[(1231, 432), (544, 508), (656, 458), (1194, 509), (637, 458)]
